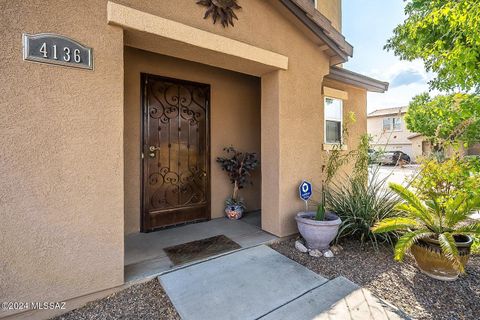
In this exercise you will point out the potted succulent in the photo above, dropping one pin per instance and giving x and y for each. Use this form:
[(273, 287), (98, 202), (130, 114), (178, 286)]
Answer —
[(435, 222), (319, 227), (238, 166)]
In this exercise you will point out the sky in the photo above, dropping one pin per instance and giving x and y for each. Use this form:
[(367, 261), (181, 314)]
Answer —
[(367, 24)]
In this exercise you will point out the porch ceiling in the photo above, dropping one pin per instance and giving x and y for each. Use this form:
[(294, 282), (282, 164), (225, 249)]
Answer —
[(153, 33)]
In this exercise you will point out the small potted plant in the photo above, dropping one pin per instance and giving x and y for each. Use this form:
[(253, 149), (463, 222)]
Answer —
[(238, 166), (319, 227), (435, 220)]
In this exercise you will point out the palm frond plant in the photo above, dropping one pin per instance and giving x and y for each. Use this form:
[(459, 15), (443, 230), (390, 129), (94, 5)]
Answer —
[(435, 221)]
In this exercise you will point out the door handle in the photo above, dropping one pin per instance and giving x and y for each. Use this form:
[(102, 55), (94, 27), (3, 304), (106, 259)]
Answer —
[(153, 149)]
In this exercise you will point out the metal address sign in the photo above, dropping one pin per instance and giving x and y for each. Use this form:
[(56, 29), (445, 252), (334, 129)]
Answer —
[(305, 192), (56, 49)]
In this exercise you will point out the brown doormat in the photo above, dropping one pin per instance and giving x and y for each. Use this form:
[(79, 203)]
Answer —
[(200, 249)]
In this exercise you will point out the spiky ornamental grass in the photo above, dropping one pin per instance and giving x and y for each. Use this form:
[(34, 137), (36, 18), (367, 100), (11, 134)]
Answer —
[(361, 203)]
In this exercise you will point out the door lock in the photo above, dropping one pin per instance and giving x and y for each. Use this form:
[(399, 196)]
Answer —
[(152, 151)]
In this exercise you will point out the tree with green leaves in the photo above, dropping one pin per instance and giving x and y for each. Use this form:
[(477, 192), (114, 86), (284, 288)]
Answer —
[(445, 119), (445, 34)]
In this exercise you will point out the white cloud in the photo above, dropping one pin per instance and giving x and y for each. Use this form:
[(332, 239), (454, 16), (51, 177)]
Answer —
[(401, 94)]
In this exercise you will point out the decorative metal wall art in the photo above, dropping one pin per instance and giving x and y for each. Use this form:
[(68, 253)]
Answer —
[(222, 9)]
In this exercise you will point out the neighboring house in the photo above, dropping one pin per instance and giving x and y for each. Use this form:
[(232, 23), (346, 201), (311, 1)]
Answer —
[(127, 143), (389, 133)]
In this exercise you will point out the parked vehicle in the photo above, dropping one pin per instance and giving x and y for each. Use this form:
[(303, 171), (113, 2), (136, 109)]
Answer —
[(372, 156), (392, 158)]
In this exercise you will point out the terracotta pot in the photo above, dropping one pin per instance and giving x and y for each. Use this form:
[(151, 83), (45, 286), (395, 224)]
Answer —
[(318, 234), (234, 212), (431, 261)]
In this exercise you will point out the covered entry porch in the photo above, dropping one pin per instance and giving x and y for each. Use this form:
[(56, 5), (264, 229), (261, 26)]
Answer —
[(243, 88), (145, 254)]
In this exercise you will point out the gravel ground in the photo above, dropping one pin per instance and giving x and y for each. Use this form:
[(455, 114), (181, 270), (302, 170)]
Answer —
[(142, 301), (398, 283)]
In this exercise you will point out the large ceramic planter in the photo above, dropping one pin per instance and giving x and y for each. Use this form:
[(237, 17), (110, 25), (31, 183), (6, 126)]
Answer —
[(432, 262), (318, 234), (234, 212)]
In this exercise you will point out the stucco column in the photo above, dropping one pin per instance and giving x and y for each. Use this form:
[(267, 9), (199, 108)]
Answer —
[(292, 144), (270, 147)]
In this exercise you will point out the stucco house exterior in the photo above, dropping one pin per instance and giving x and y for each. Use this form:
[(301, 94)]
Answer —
[(113, 113), (390, 133)]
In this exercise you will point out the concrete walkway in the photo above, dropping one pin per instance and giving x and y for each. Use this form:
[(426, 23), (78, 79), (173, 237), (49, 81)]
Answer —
[(260, 283), (144, 254)]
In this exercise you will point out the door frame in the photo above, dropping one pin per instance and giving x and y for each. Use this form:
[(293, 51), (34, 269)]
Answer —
[(144, 223)]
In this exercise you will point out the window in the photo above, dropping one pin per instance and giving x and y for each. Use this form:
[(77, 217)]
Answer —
[(394, 124), (333, 120), (397, 124), (387, 124)]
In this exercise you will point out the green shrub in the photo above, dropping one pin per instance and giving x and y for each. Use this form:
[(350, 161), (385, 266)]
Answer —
[(476, 245), (449, 179), (445, 195), (361, 205), (362, 199)]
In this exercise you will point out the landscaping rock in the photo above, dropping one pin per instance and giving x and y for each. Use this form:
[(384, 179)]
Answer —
[(336, 249), (315, 253), (401, 284), (328, 254), (300, 246), (145, 301)]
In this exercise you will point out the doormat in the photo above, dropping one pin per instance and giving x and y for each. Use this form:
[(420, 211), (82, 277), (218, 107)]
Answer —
[(200, 249)]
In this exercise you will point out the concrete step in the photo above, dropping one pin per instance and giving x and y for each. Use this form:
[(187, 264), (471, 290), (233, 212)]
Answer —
[(260, 283), (242, 285), (337, 299)]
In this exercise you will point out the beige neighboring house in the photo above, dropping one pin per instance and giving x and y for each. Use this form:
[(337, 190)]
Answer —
[(389, 133), (113, 114)]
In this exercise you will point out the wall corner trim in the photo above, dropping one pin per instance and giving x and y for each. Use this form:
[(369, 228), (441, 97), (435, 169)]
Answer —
[(129, 18)]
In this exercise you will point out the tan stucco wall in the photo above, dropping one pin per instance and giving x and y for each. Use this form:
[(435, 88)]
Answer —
[(332, 9), (61, 157), (302, 156), (235, 120), (396, 140), (62, 133), (356, 103)]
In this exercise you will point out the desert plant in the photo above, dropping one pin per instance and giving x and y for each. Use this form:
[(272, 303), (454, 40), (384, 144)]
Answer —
[(238, 166), (435, 218), (361, 205), (362, 199)]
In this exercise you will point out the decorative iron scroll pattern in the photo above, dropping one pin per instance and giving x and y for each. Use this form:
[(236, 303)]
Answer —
[(176, 127)]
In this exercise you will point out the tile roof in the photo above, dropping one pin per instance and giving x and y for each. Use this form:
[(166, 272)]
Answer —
[(388, 111)]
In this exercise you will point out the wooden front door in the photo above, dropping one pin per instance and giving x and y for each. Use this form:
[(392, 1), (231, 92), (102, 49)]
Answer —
[(176, 153)]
